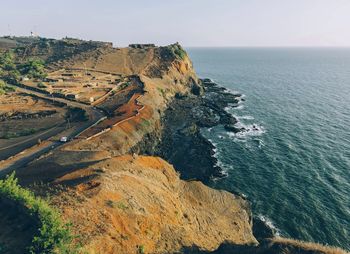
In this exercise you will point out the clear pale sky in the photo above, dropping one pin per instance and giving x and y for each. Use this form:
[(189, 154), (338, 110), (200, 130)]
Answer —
[(190, 22)]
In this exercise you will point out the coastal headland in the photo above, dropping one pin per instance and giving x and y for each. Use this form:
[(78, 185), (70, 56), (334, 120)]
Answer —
[(130, 178)]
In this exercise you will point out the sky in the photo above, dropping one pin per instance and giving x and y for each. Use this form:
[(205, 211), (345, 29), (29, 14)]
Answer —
[(205, 23)]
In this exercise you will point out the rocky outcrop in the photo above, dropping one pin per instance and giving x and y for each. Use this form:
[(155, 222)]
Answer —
[(126, 203)]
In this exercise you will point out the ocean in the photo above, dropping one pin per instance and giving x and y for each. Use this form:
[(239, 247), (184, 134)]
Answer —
[(293, 159)]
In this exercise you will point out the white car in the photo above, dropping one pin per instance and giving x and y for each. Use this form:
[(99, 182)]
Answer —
[(63, 139)]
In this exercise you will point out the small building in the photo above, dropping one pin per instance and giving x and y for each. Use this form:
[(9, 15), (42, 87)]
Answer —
[(91, 99)]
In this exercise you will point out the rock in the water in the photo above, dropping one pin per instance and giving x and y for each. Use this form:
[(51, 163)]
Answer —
[(261, 230), (233, 128), (227, 119)]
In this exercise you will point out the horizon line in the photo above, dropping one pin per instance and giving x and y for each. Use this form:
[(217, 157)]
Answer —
[(275, 46)]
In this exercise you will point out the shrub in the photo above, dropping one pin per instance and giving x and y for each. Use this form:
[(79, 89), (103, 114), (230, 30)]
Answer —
[(53, 235), (141, 249), (180, 53), (7, 61), (33, 68), (41, 85), (5, 88)]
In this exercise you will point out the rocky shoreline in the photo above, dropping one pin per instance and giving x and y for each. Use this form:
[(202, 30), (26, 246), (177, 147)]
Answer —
[(182, 143)]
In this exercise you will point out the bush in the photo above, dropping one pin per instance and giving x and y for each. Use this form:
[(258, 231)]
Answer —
[(5, 88), (2, 84), (33, 68), (7, 61), (53, 235), (41, 85), (180, 53)]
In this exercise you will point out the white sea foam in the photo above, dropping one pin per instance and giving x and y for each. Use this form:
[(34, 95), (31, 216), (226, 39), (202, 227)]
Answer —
[(221, 137), (249, 130), (269, 223), (247, 117), (260, 142), (244, 117), (219, 164), (234, 92), (228, 108), (240, 106)]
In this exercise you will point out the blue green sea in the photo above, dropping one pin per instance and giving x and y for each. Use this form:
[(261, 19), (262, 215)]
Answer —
[(293, 162)]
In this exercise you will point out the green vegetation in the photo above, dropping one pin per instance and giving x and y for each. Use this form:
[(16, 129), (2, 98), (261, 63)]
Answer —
[(141, 249), (4, 88), (53, 235), (33, 68), (179, 51), (10, 72), (123, 85), (7, 61), (145, 123), (120, 204), (161, 91), (41, 85)]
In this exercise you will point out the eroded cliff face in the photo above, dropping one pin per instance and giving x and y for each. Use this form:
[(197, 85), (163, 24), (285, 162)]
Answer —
[(126, 203), (173, 75)]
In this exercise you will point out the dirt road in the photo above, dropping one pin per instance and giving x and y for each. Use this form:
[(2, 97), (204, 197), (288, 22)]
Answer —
[(94, 114)]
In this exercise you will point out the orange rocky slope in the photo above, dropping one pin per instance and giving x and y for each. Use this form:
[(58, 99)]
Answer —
[(126, 203)]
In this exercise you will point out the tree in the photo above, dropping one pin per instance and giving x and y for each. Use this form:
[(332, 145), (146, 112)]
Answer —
[(2, 84), (8, 70), (12, 76), (33, 68), (7, 61)]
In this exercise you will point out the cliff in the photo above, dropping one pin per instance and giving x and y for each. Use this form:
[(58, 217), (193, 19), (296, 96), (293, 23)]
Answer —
[(118, 199), (126, 203)]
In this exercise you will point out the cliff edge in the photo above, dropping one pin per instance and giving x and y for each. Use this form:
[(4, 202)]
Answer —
[(118, 198)]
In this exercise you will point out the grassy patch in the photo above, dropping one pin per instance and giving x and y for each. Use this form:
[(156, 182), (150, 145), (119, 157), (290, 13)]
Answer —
[(113, 204), (53, 236), (145, 123), (41, 85), (141, 249), (161, 91), (178, 51)]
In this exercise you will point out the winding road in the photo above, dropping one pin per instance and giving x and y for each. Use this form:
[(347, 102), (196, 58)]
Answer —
[(94, 114)]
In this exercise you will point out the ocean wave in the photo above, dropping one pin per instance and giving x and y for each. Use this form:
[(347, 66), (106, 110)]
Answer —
[(248, 130), (245, 117), (221, 165), (269, 223), (234, 92), (240, 106)]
